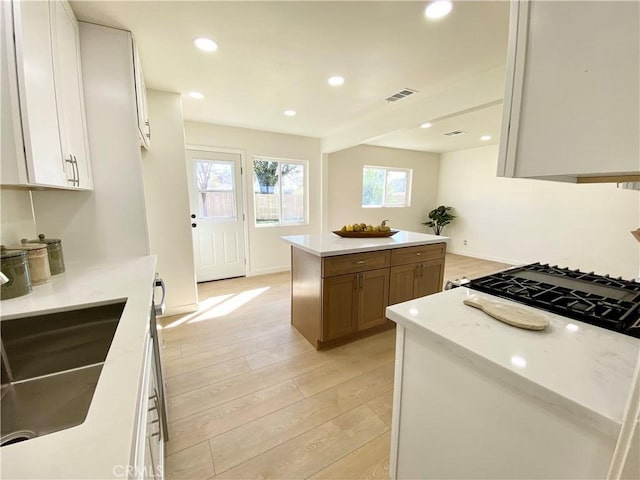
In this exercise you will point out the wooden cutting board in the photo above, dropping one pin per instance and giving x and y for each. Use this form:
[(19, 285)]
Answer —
[(510, 314)]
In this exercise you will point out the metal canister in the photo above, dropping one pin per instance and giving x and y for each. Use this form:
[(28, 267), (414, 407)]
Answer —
[(14, 265), (54, 250), (38, 258)]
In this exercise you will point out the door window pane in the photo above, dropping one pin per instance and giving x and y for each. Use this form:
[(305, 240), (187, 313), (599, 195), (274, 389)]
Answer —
[(215, 184)]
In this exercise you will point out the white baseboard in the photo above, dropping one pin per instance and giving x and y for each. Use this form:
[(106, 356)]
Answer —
[(491, 258), (266, 271), (180, 309)]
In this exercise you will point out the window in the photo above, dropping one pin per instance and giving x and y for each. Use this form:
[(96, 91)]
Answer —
[(279, 191), (216, 189), (386, 187)]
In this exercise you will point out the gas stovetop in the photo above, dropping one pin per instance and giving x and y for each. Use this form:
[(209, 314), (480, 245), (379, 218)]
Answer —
[(607, 302)]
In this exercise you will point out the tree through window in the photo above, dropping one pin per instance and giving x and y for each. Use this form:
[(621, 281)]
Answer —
[(279, 191)]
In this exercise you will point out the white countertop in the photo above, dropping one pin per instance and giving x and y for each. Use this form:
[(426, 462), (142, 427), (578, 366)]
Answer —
[(583, 369), (330, 244), (104, 441)]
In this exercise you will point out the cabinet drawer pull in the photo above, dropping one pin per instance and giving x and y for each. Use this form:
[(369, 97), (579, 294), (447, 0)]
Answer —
[(360, 262), (418, 254)]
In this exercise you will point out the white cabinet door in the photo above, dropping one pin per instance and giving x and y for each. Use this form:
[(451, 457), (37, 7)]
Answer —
[(37, 93), (144, 128), (70, 95), (571, 103), (153, 459)]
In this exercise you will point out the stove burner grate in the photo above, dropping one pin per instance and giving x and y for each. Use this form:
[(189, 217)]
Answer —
[(599, 300)]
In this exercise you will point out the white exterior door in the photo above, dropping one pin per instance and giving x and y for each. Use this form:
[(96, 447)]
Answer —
[(217, 215)]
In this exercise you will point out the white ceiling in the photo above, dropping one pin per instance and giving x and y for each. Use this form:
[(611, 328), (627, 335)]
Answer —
[(275, 56)]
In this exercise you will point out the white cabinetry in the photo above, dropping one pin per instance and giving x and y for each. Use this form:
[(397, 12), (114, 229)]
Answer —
[(70, 94), (42, 62), (148, 457), (572, 96), (144, 128)]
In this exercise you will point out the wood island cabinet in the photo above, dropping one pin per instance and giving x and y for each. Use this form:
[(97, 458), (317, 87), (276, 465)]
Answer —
[(354, 302), (416, 272), (339, 298)]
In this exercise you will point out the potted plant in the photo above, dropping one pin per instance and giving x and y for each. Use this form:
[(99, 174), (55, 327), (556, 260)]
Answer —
[(439, 218)]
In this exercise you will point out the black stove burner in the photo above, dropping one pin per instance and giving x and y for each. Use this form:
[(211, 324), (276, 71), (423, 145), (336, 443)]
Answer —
[(611, 303)]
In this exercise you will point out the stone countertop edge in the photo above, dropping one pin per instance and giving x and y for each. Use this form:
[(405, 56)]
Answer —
[(330, 244), (101, 447), (583, 371)]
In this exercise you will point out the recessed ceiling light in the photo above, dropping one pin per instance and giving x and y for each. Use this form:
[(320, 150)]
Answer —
[(336, 81), (290, 113), (438, 9), (485, 138), (425, 125), (197, 95), (206, 44)]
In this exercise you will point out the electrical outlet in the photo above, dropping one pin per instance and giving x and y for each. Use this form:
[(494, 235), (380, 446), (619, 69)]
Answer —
[(464, 242)]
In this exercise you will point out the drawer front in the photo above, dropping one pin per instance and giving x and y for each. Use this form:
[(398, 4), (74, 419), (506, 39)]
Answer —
[(403, 256), (355, 262)]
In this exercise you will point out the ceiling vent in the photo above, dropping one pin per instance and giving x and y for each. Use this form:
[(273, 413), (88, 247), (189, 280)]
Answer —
[(400, 95), (453, 133)]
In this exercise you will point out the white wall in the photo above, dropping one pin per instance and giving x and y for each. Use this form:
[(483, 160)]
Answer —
[(522, 221), (344, 187), (16, 217), (167, 200), (267, 252)]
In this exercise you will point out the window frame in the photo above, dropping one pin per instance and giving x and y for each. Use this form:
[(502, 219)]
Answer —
[(305, 191), (408, 171)]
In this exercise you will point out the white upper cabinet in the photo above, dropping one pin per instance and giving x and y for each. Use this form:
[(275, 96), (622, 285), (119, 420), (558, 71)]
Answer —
[(571, 109), (37, 96), (70, 94), (144, 128), (47, 109)]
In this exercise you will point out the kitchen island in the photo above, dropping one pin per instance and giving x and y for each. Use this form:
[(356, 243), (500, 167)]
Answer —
[(340, 287), (104, 445), (476, 398)]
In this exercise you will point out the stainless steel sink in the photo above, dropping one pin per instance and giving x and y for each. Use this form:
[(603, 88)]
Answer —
[(50, 368)]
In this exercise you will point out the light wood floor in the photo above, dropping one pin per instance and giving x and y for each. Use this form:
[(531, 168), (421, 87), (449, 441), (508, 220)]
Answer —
[(249, 397)]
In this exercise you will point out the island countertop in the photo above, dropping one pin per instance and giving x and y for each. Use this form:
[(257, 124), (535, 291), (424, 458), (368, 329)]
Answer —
[(330, 244), (585, 368)]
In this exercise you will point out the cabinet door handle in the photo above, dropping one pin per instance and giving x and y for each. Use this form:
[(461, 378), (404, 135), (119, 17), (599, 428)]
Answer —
[(356, 284), (76, 170), (73, 171), (417, 271), (361, 281), (421, 270)]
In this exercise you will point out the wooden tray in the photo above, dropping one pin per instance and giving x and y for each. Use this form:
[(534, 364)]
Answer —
[(340, 233)]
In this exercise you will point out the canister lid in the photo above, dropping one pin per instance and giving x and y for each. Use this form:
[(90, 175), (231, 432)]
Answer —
[(11, 253), (42, 239), (26, 245)]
